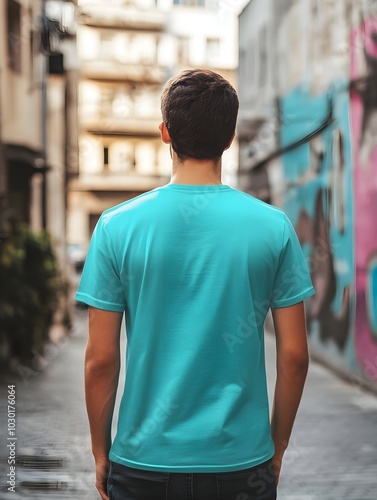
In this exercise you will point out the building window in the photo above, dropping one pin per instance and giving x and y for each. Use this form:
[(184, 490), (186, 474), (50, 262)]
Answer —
[(107, 96), (106, 158), (122, 156), (107, 46), (190, 3), (213, 49), (14, 35), (183, 50), (122, 104), (146, 4), (32, 55)]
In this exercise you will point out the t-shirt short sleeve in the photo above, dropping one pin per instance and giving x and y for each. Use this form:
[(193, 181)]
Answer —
[(100, 285), (292, 282)]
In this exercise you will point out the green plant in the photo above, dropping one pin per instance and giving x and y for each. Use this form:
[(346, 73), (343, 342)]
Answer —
[(30, 284)]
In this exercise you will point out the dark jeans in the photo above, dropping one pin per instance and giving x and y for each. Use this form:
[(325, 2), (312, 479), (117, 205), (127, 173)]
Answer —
[(255, 483)]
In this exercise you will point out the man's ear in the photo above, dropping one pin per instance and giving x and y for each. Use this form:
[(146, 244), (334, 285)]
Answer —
[(165, 137), (231, 140)]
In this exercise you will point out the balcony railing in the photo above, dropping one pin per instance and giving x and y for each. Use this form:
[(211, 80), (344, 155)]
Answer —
[(115, 71), (127, 181), (128, 127), (105, 122), (124, 17)]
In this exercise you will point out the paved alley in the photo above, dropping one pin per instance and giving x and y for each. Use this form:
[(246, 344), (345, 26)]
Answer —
[(333, 452), (51, 425), (333, 447)]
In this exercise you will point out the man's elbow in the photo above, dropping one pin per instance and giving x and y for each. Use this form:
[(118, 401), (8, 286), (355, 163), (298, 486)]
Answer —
[(101, 364), (294, 362)]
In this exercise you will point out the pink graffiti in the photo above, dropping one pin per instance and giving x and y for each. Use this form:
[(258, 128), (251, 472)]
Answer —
[(364, 138)]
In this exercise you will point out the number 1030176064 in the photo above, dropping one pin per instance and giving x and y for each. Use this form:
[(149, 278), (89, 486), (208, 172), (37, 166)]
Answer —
[(11, 411)]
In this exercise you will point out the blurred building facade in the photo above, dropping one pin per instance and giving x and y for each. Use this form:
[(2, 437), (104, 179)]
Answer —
[(128, 49), (38, 119), (308, 143), (21, 114)]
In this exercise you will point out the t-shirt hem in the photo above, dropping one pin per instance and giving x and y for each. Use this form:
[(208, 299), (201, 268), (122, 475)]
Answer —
[(191, 468), (293, 300), (99, 304)]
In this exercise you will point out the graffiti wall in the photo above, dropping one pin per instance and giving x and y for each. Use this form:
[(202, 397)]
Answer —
[(309, 145), (364, 142), (318, 190), (331, 198)]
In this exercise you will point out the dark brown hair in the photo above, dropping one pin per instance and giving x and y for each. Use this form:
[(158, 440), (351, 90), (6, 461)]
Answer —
[(199, 109)]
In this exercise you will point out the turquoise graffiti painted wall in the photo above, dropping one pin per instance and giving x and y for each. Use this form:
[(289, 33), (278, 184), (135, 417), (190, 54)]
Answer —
[(331, 198), (318, 200)]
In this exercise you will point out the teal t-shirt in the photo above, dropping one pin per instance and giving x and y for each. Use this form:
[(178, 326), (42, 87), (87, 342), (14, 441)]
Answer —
[(195, 268)]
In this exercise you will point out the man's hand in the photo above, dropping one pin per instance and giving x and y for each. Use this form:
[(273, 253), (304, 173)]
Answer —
[(102, 470)]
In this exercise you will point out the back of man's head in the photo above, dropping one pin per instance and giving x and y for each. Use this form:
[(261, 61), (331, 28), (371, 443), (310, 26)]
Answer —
[(199, 109)]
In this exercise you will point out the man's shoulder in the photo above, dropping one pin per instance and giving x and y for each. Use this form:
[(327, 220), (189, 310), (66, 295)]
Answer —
[(113, 213), (261, 208)]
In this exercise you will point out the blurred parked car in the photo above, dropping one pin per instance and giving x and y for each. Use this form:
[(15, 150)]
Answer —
[(77, 254)]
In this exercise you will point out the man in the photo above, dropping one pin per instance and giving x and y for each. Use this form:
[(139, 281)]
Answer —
[(194, 265)]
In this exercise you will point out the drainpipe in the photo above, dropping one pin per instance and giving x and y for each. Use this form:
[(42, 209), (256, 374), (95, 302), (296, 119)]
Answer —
[(3, 172), (44, 124)]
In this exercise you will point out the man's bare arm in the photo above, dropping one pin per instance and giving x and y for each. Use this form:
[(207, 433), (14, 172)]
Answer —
[(292, 366), (102, 364)]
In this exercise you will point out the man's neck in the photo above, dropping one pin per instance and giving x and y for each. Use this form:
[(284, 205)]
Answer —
[(193, 171)]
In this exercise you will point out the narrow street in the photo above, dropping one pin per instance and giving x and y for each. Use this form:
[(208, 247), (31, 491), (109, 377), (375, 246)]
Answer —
[(51, 426), (332, 456)]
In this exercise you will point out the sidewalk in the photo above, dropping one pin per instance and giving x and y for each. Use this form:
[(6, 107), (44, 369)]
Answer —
[(332, 455), (51, 426), (333, 447)]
